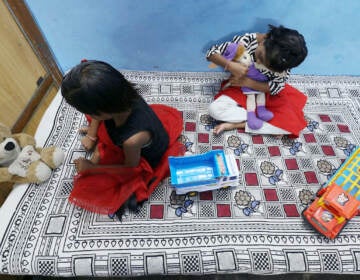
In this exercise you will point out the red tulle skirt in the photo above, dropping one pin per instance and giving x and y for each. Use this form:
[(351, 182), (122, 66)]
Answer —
[(104, 190), (287, 107)]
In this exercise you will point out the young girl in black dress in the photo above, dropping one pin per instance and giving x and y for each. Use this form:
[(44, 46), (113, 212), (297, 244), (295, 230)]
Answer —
[(133, 138)]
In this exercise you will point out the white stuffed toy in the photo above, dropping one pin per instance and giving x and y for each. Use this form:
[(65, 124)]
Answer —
[(22, 162), (255, 101)]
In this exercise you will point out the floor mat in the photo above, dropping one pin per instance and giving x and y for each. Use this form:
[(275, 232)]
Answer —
[(255, 227)]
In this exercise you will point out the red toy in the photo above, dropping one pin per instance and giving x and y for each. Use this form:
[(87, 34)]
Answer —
[(339, 201)]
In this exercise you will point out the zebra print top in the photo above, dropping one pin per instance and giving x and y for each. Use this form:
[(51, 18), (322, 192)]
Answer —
[(276, 80)]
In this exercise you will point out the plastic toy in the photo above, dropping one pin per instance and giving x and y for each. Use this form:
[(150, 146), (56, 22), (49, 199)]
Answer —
[(208, 171), (338, 201)]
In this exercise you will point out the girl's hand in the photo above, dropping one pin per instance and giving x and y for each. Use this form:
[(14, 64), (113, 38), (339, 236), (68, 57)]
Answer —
[(247, 82), (237, 82), (88, 142), (82, 164), (238, 70)]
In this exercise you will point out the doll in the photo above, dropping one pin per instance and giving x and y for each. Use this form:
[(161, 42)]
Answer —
[(21, 161), (255, 101)]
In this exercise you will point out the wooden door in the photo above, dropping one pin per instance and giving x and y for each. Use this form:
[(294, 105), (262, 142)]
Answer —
[(29, 74), (28, 70)]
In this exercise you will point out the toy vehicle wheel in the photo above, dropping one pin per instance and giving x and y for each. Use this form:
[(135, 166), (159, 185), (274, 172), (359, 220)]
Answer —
[(304, 217)]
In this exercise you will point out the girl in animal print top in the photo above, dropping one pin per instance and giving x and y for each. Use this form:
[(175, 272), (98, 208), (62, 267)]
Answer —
[(274, 54)]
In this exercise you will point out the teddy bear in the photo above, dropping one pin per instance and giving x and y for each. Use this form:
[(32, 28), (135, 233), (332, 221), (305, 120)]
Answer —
[(22, 162), (255, 101)]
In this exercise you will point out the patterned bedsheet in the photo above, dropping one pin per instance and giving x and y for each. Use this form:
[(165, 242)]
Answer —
[(255, 227)]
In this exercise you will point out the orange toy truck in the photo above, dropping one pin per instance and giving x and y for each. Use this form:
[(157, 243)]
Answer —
[(339, 201)]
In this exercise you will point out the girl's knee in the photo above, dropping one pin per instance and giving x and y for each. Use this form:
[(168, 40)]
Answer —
[(215, 110)]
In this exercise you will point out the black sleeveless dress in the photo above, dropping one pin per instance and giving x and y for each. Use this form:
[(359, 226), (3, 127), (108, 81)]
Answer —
[(142, 118)]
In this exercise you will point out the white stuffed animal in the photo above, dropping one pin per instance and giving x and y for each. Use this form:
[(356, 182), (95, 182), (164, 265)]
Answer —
[(22, 162)]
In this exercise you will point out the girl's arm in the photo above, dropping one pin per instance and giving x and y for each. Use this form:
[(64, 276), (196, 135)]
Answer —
[(93, 128), (132, 153), (273, 86), (235, 68), (90, 138), (132, 148), (250, 83), (214, 54)]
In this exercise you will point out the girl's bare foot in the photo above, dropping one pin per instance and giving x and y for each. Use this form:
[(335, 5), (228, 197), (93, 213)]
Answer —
[(223, 127), (227, 126), (81, 164)]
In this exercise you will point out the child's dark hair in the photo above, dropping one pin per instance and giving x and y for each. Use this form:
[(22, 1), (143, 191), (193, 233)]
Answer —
[(284, 48), (93, 87)]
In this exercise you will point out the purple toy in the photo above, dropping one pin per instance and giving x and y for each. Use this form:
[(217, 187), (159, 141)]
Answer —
[(255, 102)]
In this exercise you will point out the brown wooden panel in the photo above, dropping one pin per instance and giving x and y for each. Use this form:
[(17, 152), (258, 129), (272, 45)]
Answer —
[(29, 75), (27, 62), (5, 189), (32, 105), (34, 121), (20, 69), (30, 29)]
